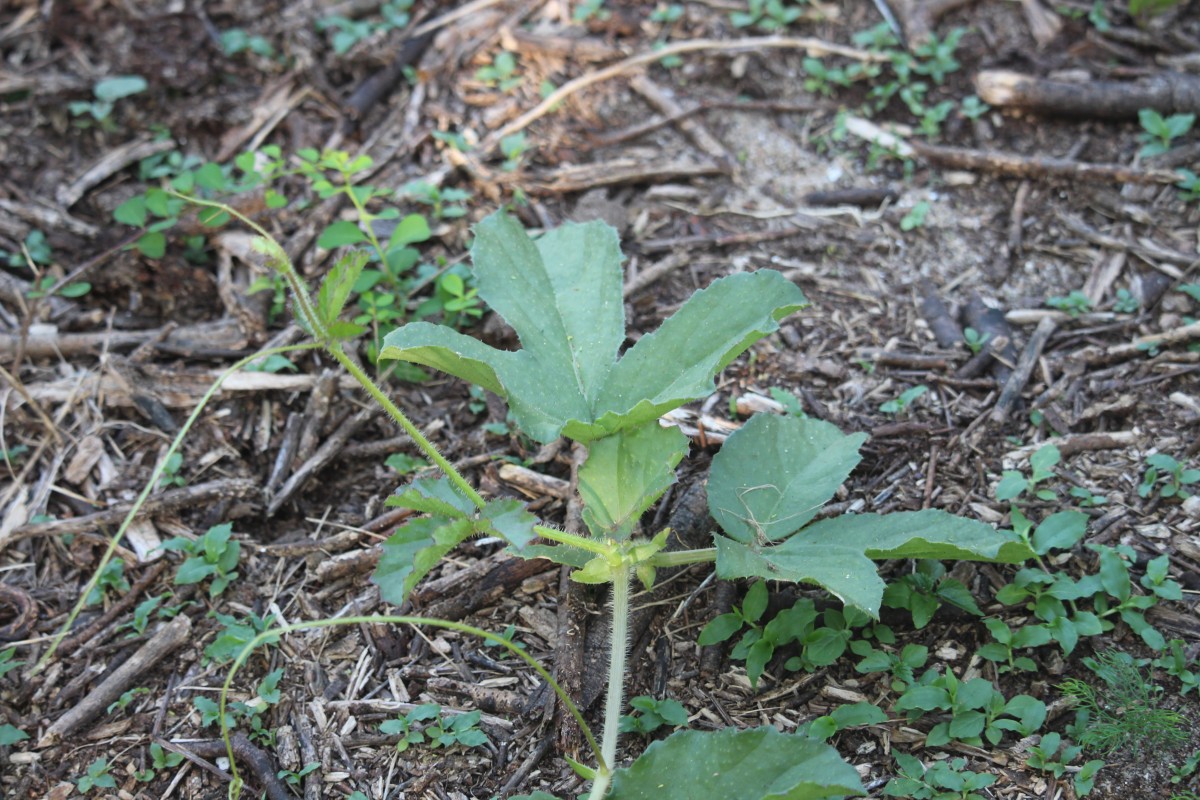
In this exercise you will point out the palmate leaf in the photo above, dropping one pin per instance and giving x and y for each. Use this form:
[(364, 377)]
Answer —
[(562, 295), (755, 764), (768, 482)]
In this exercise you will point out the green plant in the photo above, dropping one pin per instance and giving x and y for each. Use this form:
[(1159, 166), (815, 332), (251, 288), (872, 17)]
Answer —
[(1124, 714), (973, 108), (915, 218), (790, 402), (234, 635), (1176, 664), (162, 759), (1158, 131), (126, 698), (767, 15), (10, 735), (512, 148), (901, 666), (822, 79), (445, 203), (975, 340), (441, 731), (900, 404), (214, 555), (1186, 769), (648, 715), (666, 13), (942, 780), (851, 715), (48, 285), (1052, 754), (1074, 303), (1189, 184), (562, 295), (237, 40), (1014, 483), (110, 578), (1165, 470), (97, 777), (7, 662), (501, 73), (922, 591), (1125, 302), (345, 32), (293, 778), (106, 93), (589, 9), (935, 56), (35, 250), (171, 476)]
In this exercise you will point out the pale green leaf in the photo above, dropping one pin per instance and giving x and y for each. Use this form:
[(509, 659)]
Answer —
[(729, 764), (797, 464), (625, 473), (413, 550), (562, 295)]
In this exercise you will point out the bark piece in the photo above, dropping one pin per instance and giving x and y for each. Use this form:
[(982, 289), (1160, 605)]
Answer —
[(166, 640), (1166, 93)]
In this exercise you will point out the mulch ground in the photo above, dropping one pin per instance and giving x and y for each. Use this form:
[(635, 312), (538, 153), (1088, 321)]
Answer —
[(725, 162)]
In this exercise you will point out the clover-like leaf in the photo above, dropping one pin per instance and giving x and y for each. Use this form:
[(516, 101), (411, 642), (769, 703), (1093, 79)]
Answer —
[(730, 764), (562, 295)]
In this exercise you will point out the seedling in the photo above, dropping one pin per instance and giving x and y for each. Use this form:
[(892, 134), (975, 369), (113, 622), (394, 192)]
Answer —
[(35, 251), (11, 734), (975, 340), (237, 40), (943, 780), (234, 635), (7, 662), (45, 286), (790, 402), (501, 73), (106, 93), (293, 778), (973, 108), (512, 148), (171, 476), (589, 9), (852, 715), (445, 203), (1158, 132), (121, 703), (441, 731), (97, 777), (900, 405), (1168, 476), (1014, 483), (111, 578), (649, 715), (921, 592), (1125, 302), (1176, 664), (1123, 715), (915, 218), (214, 555), (162, 759), (345, 32), (767, 15), (902, 666), (1186, 769), (1074, 303)]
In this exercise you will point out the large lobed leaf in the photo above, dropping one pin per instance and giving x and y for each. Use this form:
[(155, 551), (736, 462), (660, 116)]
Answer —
[(562, 295), (770, 479), (755, 764), (624, 474)]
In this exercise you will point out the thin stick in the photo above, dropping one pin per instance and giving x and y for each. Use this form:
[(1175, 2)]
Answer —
[(814, 47)]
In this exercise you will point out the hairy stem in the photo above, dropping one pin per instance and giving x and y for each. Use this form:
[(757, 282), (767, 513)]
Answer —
[(618, 654)]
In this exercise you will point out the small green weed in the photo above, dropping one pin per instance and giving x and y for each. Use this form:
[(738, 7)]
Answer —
[(501, 73), (1168, 476), (1177, 664), (345, 32), (975, 340), (851, 715), (237, 40), (1074, 303), (922, 591), (11, 734), (214, 555), (293, 778), (942, 780), (766, 15), (590, 9), (439, 731), (7, 662), (904, 401), (1158, 132), (111, 578), (106, 93), (97, 777), (35, 250), (1125, 302), (121, 703), (1123, 715), (1014, 483), (170, 474), (649, 714), (915, 218), (234, 635)]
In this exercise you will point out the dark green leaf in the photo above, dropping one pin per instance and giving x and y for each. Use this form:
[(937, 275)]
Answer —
[(413, 550)]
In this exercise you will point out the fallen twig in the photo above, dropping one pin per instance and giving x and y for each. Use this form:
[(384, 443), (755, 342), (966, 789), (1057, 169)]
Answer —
[(1023, 369), (165, 640), (1166, 92)]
